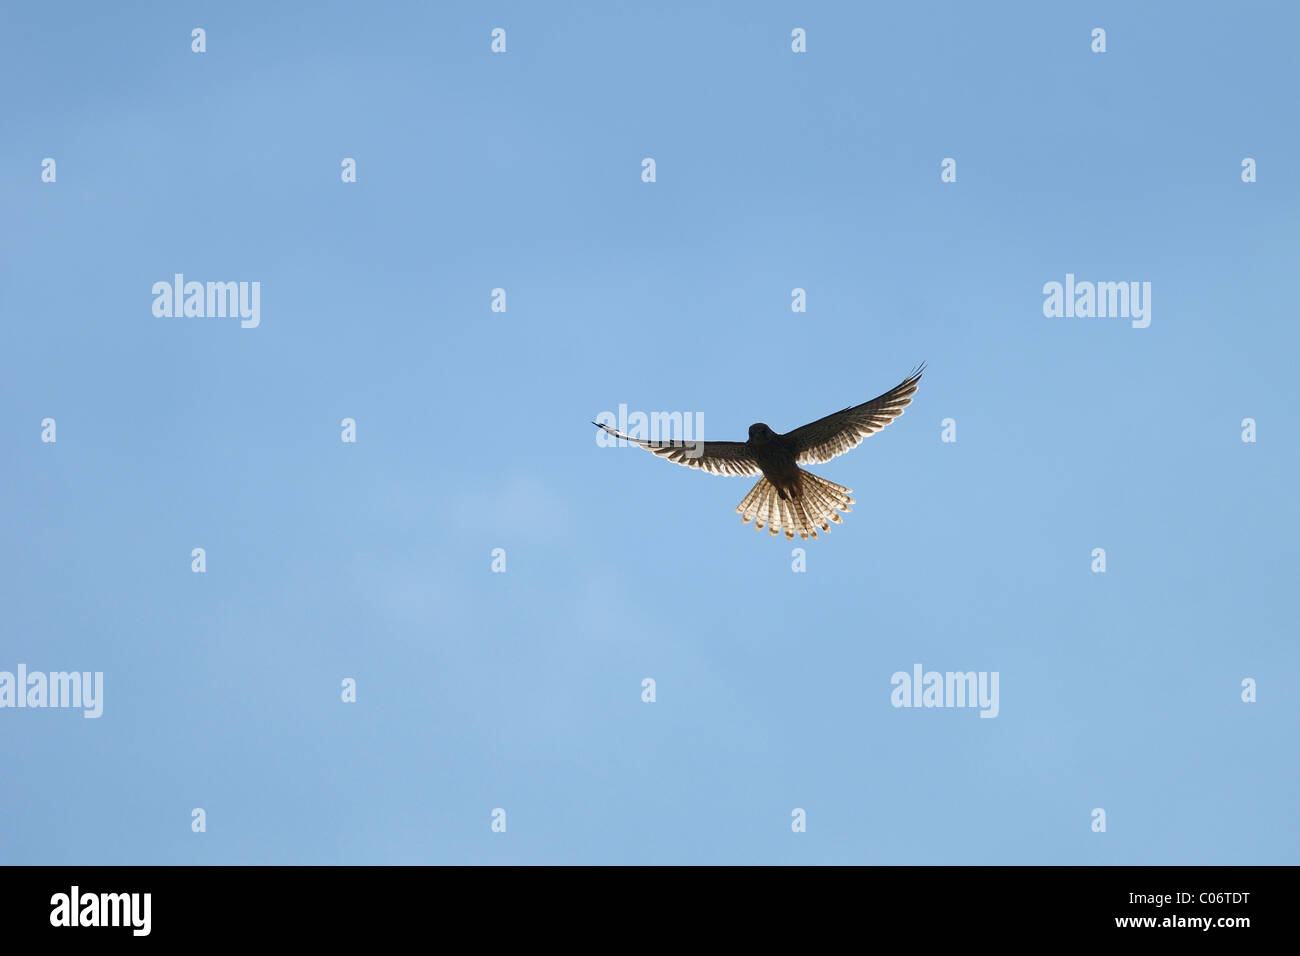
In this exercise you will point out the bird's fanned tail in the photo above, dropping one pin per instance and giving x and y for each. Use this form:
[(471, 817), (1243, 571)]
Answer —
[(813, 504)]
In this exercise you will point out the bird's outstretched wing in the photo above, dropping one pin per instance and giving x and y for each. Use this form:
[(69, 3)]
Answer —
[(835, 434), (715, 457)]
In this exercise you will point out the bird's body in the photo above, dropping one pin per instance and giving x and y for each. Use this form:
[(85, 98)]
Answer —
[(776, 456), (787, 497)]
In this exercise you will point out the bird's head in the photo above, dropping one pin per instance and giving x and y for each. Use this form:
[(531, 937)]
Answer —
[(760, 433)]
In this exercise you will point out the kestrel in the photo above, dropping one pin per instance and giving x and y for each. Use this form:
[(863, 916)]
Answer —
[(787, 498)]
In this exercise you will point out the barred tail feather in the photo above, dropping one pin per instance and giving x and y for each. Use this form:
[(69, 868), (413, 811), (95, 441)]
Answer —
[(814, 504)]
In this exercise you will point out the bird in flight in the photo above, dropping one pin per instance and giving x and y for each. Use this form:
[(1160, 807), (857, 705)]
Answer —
[(787, 498)]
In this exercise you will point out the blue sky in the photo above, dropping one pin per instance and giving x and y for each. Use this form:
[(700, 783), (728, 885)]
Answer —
[(522, 690)]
